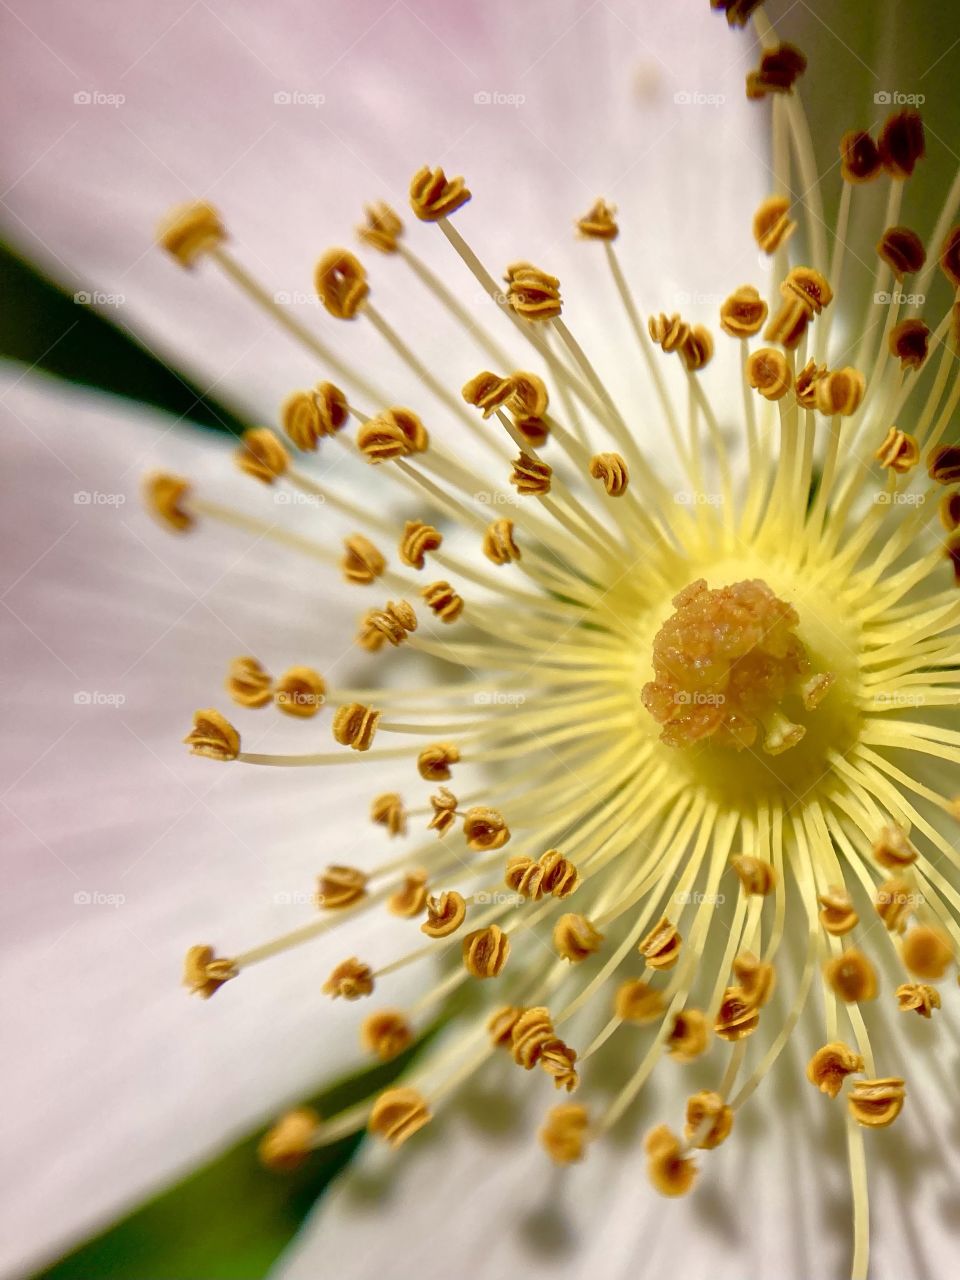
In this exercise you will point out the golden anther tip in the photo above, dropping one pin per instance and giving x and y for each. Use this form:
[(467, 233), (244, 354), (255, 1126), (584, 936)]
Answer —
[(877, 1103), (204, 972), (772, 224), (661, 946), (830, 1066), (697, 352), (362, 563), (805, 387), (411, 898), (533, 294), (339, 886), (668, 332), (388, 810), (248, 684), (444, 805), (395, 433), (612, 470), (738, 1015), (902, 250), (446, 603), (757, 978), (309, 416), (261, 454), (434, 762), (499, 544), (485, 952), (837, 914), (599, 223), (382, 229), (485, 828), (386, 1034), (743, 313), (894, 901), (756, 875), (389, 625), (768, 372), (902, 143), (434, 196), (950, 257), (565, 1132), (841, 392), (487, 391), (637, 1002), (708, 1120), (446, 912), (191, 230), (551, 873), (689, 1035), (917, 997), (501, 1024), (670, 1171), (164, 495), (893, 849), (851, 976), (809, 287), (575, 938), (859, 157), (289, 1142), (213, 736), (529, 398), (418, 540), (532, 1032), (355, 725), (927, 952), (780, 68), (350, 980), (341, 283), (943, 464), (531, 477), (301, 692), (397, 1114), (909, 341)]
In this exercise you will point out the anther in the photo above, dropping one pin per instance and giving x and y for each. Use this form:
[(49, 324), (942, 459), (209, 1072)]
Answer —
[(851, 976), (949, 510), (707, 1108), (902, 250), (213, 736), (927, 952), (262, 455), (943, 464), (485, 952), (501, 1025), (397, 1114), (737, 1016), (697, 352), (837, 914), (950, 257), (339, 887), (894, 901), (805, 387), (917, 997), (395, 433), (780, 68), (670, 333), (575, 938), (910, 341), (301, 691), (769, 373), (530, 476), (841, 392), (386, 1034), (309, 416), (533, 294), (341, 283), (351, 980), (391, 624), (487, 391), (535, 431), (417, 541), (637, 1002), (362, 562), (290, 1141), (661, 946), (411, 898), (755, 874), (446, 603), (388, 810), (551, 873), (893, 849), (671, 1172), (689, 1035), (756, 977), (599, 223), (830, 1066), (485, 828), (446, 912), (164, 495), (809, 287), (433, 762), (382, 229), (564, 1132), (772, 224), (434, 196), (444, 805), (529, 398), (877, 1103), (859, 157), (355, 725), (902, 143), (611, 469), (743, 312), (248, 684), (498, 542), (191, 230), (204, 972)]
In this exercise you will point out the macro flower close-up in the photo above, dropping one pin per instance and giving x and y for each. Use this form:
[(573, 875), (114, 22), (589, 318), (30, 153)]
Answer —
[(482, 633)]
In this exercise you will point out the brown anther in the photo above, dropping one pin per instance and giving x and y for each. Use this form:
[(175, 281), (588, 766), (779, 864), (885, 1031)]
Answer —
[(670, 333), (289, 1142), (789, 324), (309, 416), (877, 1103), (446, 603), (301, 691), (772, 224), (445, 914), (485, 828), (411, 898), (397, 1114), (351, 980), (756, 977), (362, 562), (164, 496), (191, 230), (612, 470), (213, 736), (444, 811), (487, 391), (204, 972), (354, 725), (780, 68), (339, 887), (902, 143), (943, 464), (498, 542), (830, 1066), (755, 874), (564, 1133), (927, 952), (637, 1002), (902, 250), (689, 1035), (533, 294), (395, 433), (485, 952), (530, 476), (805, 387), (899, 452), (769, 373), (738, 1016), (388, 810), (894, 901), (529, 398), (557, 1060), (501, 1024), (531, 1033), (661, 946), (950, 257), (671, 1172), (389, 625), (551, 873), (709, 1120), (837, 914), (809, 287), (599, 223), (434, 196), (261, 454), (738, 11), (433, 762), (851, 976), (951, 550), (386, 1033), (341, 283), (893, 849), (382, 229), (949, 510), (418, 539), (909, 342), (859, 157), (248, 684), (917, 997), (535, 431), (697, 352), (841, 392), (743, 312), (575, 938)]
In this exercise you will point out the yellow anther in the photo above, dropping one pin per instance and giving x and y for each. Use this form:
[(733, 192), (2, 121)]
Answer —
[(837, 914), (551, 873), (339, 887), (382, 229), (309, 416), (805, 387), (204, 972), (388, 810), (164, 496), (446, 603), (354, 725), (530, 476), (738, 1015), (697, 351), (411, 898), (301, 692), (446, 912), (689, 1035), (671, 1172), (756, 977), (434, 196), (755, 874), (213, 736), (536, 1043), (611, 468), (565, 1132), (575, 938), (918, 997), (395, 433), (808, 287), (661, 946), (927, 952), (418, 539), (191, 230), (287, 1144), (772, 224), (433, 762), (769, 373), (351, 980), (501, 1025), (498, 542), (893, 849), (709, 1120), (668, 332), (943, 464), (830, 1066), (397, 1114), (636, 1001), (444, 805), (341, 283), (485, 952), (851, 976), (743, 313), (488, 391), (529, 398), (532, 293), (262, 455), (362, 562), (599, 223), (841, 392), (248, 684), (894, 901), (485, 828), (389, 625), (877, 1103), (386, 1034)]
